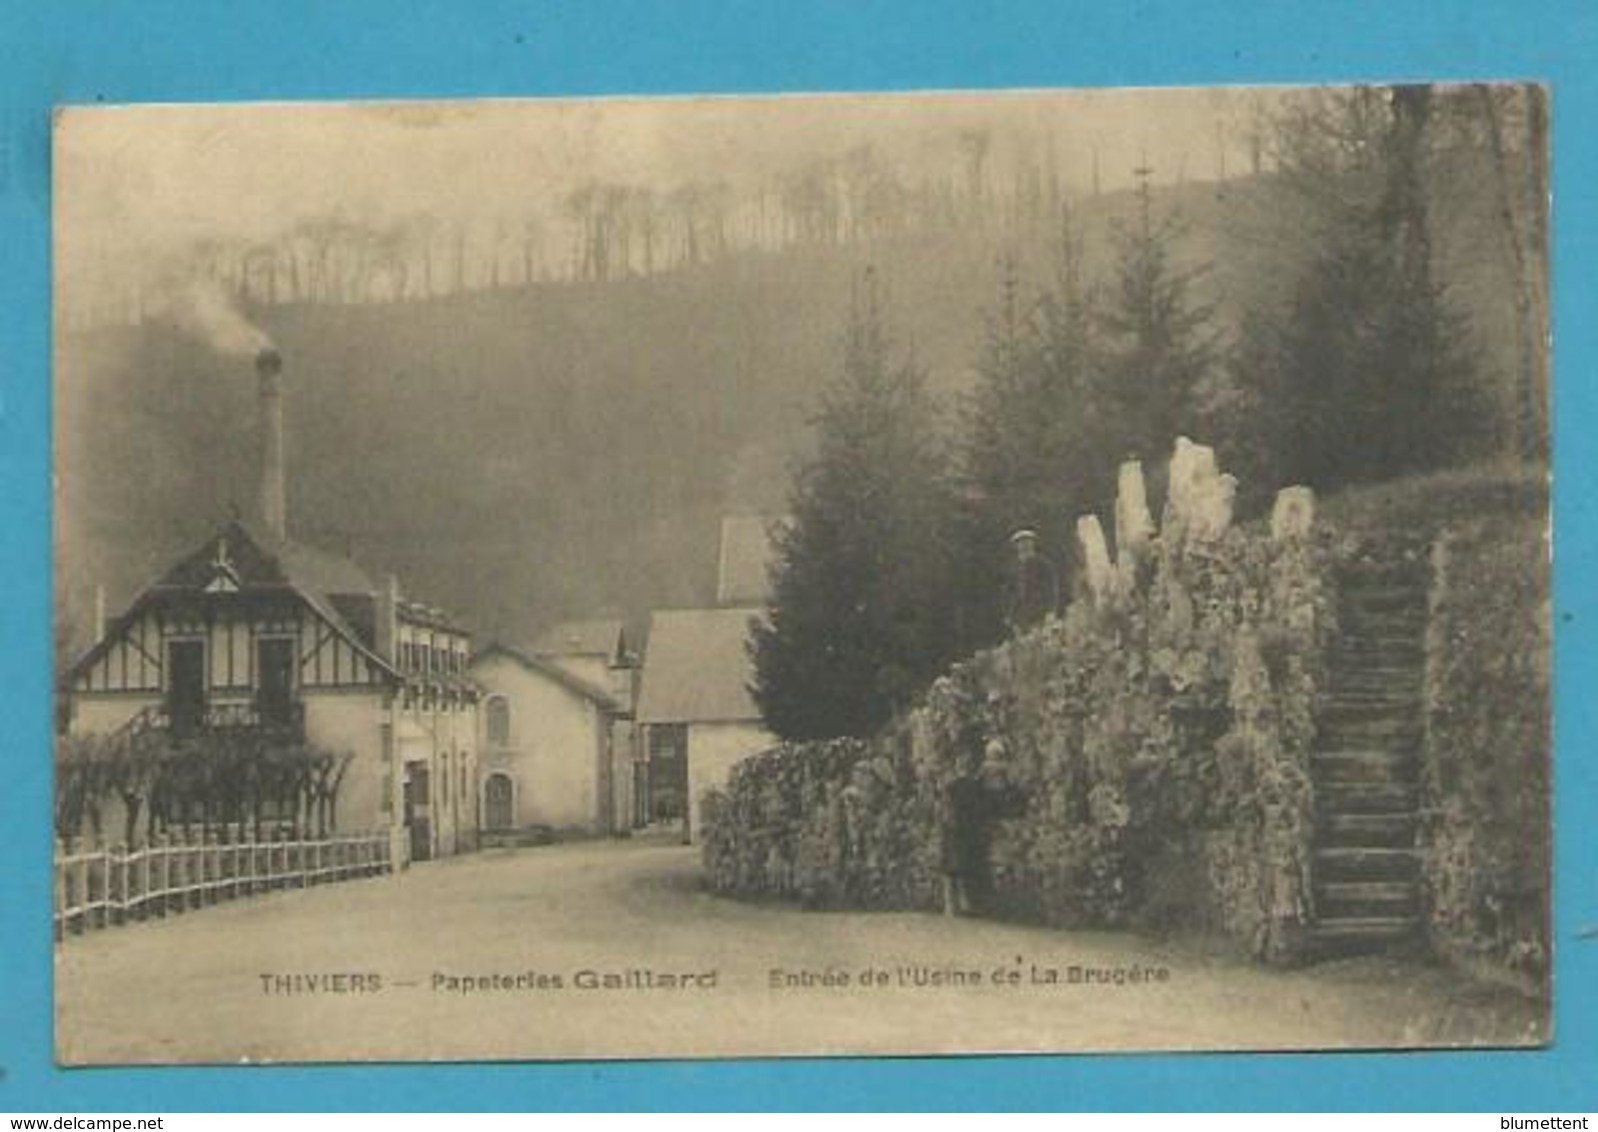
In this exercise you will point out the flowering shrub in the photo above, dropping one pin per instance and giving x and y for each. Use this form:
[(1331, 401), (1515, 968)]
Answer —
[(1158, 740)]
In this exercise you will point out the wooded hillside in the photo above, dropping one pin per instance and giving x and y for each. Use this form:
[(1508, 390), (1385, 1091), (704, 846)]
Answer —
[(528, 453)]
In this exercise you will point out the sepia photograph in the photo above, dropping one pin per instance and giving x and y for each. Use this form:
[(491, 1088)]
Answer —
[(1034, 571)]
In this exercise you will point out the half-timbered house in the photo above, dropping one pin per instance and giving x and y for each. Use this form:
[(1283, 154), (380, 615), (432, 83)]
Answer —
[(255, 631), (302, 645)]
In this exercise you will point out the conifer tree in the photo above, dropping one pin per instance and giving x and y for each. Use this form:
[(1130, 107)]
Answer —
[(1034, 454), (1364, 373), (1159, 348), (862, 613)]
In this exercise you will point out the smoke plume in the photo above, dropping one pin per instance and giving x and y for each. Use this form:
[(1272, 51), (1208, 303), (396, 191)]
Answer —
[(206, 312)]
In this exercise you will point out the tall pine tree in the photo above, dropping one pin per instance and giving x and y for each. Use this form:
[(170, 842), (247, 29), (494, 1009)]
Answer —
[(1035, 453), (862, 613), (1159, 342), (1364, 373)]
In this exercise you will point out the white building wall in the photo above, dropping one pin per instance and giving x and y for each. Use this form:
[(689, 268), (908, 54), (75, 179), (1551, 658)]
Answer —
[(623, 756), (442, 737), (352, 721), (101, 713), (557, 739)]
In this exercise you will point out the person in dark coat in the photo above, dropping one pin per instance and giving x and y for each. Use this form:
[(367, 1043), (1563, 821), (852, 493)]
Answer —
[(972, 803), (963, 849), (1033, 591)]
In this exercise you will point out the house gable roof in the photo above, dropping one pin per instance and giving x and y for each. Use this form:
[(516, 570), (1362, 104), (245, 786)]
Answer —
[(545, 667), (606, 637), (259, 562), (236, 559), (697, 669)]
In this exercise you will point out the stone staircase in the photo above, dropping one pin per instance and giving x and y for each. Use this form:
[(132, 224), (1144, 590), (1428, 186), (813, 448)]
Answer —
[(1366, 764)]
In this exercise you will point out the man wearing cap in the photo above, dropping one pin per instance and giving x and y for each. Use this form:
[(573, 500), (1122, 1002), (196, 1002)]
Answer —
[(1034, 590)]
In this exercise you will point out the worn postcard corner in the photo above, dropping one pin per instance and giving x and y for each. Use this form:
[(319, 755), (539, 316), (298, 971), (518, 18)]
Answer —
[(1046, 571)]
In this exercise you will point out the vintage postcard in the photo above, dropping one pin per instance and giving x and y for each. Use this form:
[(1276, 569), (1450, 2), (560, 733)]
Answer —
[(1036, 571)]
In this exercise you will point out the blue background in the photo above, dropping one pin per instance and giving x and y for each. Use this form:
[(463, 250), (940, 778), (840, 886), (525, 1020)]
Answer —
[(163, 50)]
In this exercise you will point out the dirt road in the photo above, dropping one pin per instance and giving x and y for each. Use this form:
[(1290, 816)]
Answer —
[(611, 949)]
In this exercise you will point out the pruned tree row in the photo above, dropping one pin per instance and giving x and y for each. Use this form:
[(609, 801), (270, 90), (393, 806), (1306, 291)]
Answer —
[(133, 786)]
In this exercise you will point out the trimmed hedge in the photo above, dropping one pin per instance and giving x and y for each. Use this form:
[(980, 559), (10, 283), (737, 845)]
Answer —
[(1160, 741), (1487, 745), (1162, 744)]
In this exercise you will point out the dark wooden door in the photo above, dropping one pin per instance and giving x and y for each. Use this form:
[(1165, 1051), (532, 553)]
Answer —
[(498, 802), (418, 811), (668, 772), (185, 690)]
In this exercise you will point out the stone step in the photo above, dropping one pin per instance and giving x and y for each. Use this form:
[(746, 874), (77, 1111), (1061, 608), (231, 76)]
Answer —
[(1409, 566), (1381, 584), (1384, 599), (1362, 702), (1381, 608), (1364, 935), (1366, 765), (1382, 650), (1376, 718), (1414, 559), (1358, 623), (1341, 900), (1366, 863), (1371, 720), (1347, 799), (1372, 724), (1403, 650), (1378, 659), (1383, 587), (1370, 672), (1356, 700), (1369, 730), (1356, 685), (1413, 555), (1369, 737), (1335, 829)]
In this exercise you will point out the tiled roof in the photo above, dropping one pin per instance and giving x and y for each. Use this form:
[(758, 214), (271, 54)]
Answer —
[(248, 560), (568, 680), (260, 561), (599, 637), (430, 616), (697, 668)]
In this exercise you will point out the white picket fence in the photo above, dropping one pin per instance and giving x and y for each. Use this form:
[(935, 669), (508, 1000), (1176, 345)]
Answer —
[(100, 886)]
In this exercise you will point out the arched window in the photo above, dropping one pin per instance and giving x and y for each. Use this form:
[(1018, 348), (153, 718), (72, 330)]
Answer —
[(498, 711)]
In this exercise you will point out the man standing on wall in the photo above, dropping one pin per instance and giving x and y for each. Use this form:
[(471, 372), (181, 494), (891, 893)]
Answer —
[(1034, 584)]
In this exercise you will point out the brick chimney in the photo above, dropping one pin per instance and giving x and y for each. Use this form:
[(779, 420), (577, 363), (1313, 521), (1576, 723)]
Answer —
[(385, 630), (274, 495)]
